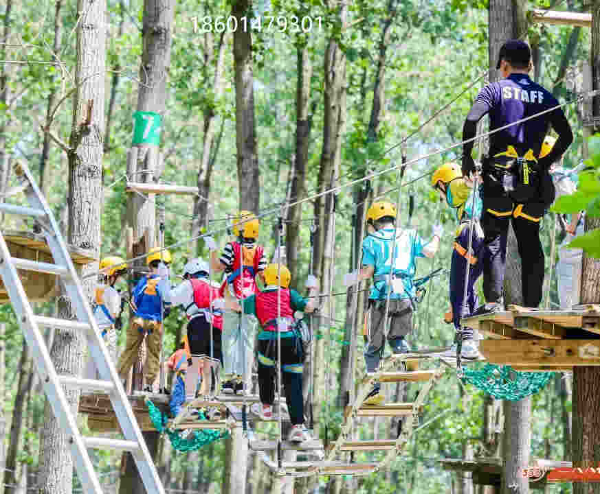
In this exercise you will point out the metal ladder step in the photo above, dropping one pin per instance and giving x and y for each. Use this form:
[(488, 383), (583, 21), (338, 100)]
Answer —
[(107, 443), (41, 267), (87, 384), (54, 322), (22, 210)]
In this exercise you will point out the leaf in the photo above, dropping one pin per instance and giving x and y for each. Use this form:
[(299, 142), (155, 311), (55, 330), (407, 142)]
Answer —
[(573, 203), (590, 243), (588, 182), (594, 150)]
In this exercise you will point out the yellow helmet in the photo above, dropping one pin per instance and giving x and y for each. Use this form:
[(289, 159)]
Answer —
[(249, 229), (115, 264), (547, 146), (446, 173), (380, 209), (271, 277), (155, 254)]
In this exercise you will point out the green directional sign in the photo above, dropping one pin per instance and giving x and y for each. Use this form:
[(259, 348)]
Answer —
[(146, 127)]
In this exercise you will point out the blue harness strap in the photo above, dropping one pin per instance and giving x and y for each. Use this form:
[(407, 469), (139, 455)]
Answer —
[(231, 278), (107, 314)]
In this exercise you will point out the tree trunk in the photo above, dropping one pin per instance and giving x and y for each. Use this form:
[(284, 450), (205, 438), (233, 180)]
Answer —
[(4, 97), (517, 445), (190, 470), (298, 190), (10, 474), (565, 386), (2, 395), (85, 174), (131, 483), (245, 131), (201, 203), (236, 463), (51, 99), (114, 83)]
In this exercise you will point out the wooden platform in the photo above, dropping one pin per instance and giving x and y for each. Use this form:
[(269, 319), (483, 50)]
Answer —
[(154, 188), (101, 417), (421, 375), (349, 469), (374, 445), (28, 245), (387, 410), (546, 340)]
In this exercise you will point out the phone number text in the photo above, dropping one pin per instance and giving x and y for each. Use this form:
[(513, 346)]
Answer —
[(293, 24)]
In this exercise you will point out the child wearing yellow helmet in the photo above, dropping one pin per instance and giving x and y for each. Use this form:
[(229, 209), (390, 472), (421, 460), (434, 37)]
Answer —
[(242, 260), (458, 193), (377, 261), (147, 305), (275, 308)]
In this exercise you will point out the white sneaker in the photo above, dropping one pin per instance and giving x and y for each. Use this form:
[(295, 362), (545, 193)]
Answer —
[(469, 351), (298, 434), (213, 413), (264, 412)]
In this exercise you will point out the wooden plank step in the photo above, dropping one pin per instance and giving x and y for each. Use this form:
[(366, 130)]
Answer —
[(154, 188), (387, 410), (374, 445), (543, 368), (422, 375), (525, 353), (505, 317), (348, 469), (203, 424), (314, 444), (311, 464)]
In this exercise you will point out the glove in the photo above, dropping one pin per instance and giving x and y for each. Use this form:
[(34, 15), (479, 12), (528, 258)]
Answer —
[(351, 279), (468, 165), (163, 271), (311, 282), (218, 304), (210, 243), (437, 230)]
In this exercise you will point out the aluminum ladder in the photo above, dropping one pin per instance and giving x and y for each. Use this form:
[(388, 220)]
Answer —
[(53, 383)]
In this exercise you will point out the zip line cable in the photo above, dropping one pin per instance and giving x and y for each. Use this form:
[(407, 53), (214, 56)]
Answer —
[(337, 188)]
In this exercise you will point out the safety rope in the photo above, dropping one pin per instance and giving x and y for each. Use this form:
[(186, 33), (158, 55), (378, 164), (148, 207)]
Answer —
[(332, 212), (279, 328), (313, 232), (552, 255)]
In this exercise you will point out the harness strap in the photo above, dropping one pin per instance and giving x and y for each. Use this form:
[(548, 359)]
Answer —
[(463, 252), (231, 278), (519, 212)]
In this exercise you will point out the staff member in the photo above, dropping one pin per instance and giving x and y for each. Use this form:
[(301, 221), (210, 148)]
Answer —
[(514, 176)]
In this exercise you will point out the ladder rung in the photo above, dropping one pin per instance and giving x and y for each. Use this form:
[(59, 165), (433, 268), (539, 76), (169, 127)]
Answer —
[(88, 384), (53, 322), (107, 443), (42, 267), (22, 210)]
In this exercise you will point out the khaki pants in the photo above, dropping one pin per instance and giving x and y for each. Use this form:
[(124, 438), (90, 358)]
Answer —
[(136, 331)]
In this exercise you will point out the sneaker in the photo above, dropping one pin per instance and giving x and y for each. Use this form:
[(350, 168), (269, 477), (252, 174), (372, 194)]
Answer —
[(239, 388), (399, 346), (164, 391), (148, 389), (374, 398), (469, 351), (298, 434), (228, 388), (213, 413), (489, 308), (265, 412)]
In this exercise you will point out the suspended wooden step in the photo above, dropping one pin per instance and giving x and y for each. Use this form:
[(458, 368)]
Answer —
[(314, 444), (224, 399), (101, 417), (312, 464), (422, 375), (154, 188), (349, 469), (33, 247), (387, 410), (202, 424), (374, 445)]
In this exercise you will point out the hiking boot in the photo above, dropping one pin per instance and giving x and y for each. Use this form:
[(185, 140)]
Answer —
[(265, 412), (228, 388), (489, 308), (239, 388), (469, 351), (299, 434), (374, 398), (399, 346)]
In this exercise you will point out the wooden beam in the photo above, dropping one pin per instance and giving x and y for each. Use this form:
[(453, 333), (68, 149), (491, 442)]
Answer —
[(422, 375), (315, 444), (153, 188), (203, 424), (388, 410), (498, 330), (380, 445), (543, 368), (348, 469), (525, 353), (539, 327), (474, 322), (560, 18)]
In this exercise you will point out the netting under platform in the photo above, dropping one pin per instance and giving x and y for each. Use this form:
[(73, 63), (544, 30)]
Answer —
[(505, 383), (183, 440)]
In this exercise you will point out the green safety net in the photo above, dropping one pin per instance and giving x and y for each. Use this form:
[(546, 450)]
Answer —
[(505, 383), (183, 441)]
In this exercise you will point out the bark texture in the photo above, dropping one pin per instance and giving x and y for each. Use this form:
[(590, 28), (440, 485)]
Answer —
[(5, 119), (245, 128), (85, 174), (236, 463)]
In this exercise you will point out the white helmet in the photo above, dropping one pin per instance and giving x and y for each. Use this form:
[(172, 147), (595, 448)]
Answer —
[(196, 265)]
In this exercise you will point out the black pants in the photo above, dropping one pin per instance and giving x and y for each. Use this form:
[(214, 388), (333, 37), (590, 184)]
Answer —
[(499, 208), (291, 375)]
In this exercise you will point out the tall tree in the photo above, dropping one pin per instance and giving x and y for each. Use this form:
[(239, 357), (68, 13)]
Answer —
[(84, 188), (5, 119)]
